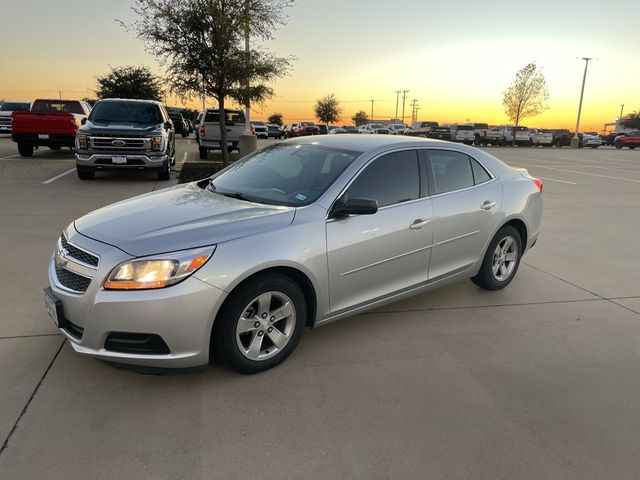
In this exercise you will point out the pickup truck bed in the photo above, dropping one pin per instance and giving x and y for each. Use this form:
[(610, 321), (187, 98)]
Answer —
[(50, 123)]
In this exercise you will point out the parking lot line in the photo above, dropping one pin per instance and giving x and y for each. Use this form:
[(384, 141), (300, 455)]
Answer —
[(556, 180), (59, 176), (592, 174), (12, 156)]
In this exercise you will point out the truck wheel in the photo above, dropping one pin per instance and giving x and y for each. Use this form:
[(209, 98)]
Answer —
[(163, 173), (632, 148), (54, 147), (594, 146), (85, 173), (618, 145), (25, 149), (185, 134), (558, 143), (204, 153)]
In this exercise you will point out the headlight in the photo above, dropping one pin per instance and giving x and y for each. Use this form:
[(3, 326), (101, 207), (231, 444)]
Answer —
[(156, 143), (157, 272), (83, 142)]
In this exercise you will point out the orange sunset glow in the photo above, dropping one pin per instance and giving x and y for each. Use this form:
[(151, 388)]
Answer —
[(455, 59)]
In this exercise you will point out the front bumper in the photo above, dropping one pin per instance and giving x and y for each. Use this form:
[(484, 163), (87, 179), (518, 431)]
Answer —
[(181, 315), (134, 161)]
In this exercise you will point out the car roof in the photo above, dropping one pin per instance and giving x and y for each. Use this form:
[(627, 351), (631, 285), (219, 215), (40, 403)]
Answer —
[(133, 100), (364, 143)]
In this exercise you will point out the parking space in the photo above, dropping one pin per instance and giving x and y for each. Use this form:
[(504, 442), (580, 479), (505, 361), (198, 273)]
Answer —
[(535, 381)]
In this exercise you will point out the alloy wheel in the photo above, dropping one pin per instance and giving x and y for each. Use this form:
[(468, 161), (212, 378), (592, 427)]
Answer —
[(505, 258)]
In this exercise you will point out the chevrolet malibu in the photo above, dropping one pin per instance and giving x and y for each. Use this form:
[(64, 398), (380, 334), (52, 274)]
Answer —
[(296, 235)]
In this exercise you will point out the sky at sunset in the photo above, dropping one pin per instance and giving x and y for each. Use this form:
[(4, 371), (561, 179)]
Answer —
[(455, 58)]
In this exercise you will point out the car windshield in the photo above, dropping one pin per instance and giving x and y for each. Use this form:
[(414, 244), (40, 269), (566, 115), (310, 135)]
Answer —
[(464, 127), (136, 112), (259, 124), (283, 174), (14, 107)]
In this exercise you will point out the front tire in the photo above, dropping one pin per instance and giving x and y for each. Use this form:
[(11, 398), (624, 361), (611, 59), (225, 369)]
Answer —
[(204, 153), (165, 172), (260, 324), (501, 261), (25, 149), (85, 173), (617, 144)]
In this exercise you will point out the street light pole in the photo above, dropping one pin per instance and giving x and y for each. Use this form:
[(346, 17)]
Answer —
[(404, 97), (575, 141), (372, 110), (398, 92)]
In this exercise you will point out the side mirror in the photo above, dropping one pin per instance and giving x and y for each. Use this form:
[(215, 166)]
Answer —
[(354, 206), (83, 121), (167, 125)]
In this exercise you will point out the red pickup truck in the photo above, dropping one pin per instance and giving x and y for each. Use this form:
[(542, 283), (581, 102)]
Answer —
[(49, 123), (629, 139)]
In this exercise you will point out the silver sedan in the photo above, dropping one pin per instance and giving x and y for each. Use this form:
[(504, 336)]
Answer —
[(296, 235)]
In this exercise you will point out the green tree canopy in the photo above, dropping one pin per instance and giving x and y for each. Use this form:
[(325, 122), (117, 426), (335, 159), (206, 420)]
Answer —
[(130, 82), (631, 121), (360, 118), (201, 45), (327, 109), (275, 118)]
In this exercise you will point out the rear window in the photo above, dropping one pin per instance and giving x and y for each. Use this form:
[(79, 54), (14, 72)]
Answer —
[(15, 107), (137, 112), (464, 127), (520, 129), (231, 116), (483, 126), (307, 124), (56, 106), (259, 124)]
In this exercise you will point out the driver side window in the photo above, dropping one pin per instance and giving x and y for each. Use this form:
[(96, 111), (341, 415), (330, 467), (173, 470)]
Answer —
[(391, 179)]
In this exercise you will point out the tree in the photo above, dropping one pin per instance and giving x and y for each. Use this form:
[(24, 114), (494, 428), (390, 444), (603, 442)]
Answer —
[(526, 96), (327, 109), (632, 121), (360, 118), (275, 118), (90, 101), (130, 82), (201, 45)]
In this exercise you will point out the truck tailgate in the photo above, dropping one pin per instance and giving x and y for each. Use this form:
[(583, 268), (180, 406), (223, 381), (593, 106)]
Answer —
[(64, 123), (212, 132)]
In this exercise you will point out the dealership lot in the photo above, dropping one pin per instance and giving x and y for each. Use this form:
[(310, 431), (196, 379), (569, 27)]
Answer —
[(535, 381)]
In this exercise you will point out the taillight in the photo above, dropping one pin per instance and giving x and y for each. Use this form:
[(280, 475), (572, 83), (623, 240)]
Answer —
[(253, 130), (538, 183), (202, 130)]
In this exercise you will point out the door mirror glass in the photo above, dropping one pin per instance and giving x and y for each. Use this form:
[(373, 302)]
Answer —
[(354, 206), (83, 121), (167, 125)]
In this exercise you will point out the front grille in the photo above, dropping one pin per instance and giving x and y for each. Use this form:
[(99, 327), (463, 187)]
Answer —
[(72, 281), (126, 143), (5, 121), (78, 254)]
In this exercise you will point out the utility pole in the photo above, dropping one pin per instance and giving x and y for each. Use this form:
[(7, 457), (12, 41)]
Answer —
[(398, 92), (404, 97), (417, 108), (414, 104), (575, 141), (60, 94), (621, 110), (371, 119)]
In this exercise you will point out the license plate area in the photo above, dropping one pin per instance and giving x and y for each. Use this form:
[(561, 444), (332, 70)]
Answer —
[(43, 136), (119, 160), (53, 307)]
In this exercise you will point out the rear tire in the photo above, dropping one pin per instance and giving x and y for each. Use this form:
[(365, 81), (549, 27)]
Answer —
[(25, 149), (85, 173), (236, 348), (55, 147), (594, 146), (557, 143), (632, 148), (618, 145), (501, 261), (185, 134), (204, 153)]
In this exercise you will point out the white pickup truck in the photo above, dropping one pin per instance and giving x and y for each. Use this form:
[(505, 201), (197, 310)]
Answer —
[(503, 135), (209, 137)]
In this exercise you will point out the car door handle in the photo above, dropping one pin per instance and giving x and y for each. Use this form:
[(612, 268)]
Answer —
[(419, 223), (488, 205)]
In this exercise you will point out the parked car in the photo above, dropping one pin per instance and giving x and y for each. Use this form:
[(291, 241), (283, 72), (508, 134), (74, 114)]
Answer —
[(350, 128), (462, 133), (374, 128), (6, 109), (49, 123), (503, 135), (323, 129), (441, 133), (196, 125), (591, 140), (179, 124), (629, 139), (562, 137), (337, 131), (126, 134), (609, 138), (300, 129), (420, 129), (396, 128), (298, 234), (209, 137), (274, 131), (260, 129), (541, 137), (480, 132)]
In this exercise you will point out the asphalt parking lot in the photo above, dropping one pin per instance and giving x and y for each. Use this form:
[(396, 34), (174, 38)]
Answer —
[(537, 381)]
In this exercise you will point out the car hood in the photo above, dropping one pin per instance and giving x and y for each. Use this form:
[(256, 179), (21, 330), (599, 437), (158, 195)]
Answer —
[(92, 127), (179, 218)]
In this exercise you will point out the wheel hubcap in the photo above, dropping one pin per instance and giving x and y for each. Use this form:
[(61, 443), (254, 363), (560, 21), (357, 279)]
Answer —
[(265, 326), (505, 257)]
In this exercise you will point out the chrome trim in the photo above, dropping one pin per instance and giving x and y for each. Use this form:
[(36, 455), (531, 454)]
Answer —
[(73, 259), (385, 260), (94, 156)]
